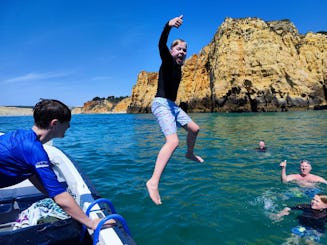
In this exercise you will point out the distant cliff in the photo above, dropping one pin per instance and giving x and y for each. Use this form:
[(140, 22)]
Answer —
[(105, 105), (250, 65)]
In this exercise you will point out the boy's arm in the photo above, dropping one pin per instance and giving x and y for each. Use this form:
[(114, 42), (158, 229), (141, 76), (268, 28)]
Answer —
[(70, 206), (37, 183), (163, 49)]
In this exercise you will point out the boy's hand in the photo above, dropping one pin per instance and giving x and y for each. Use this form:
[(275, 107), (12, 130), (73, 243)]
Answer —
[(176, 22), (96, 221)]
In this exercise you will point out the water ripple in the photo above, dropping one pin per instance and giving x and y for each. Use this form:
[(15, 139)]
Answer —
[(225, 200)]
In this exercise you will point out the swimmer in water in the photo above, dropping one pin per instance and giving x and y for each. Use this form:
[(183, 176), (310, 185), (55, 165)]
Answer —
[(304, 178), (312, 220), (262, 146)]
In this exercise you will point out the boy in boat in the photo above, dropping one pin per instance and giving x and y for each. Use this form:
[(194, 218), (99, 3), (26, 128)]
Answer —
[(22, 157), (164, 109)]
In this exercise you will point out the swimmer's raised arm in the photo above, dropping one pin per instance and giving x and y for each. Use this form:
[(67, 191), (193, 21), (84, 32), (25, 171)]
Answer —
[(283, 171)]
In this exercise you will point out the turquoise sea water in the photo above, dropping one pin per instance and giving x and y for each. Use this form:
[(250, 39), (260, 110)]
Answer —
[(227, 199)]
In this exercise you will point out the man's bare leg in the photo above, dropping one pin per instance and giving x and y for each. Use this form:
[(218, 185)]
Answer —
[(163, 157), (193, 130)]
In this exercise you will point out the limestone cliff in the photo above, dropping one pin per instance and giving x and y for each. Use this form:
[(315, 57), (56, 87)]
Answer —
[(250, 65), (143, 92), (103, 105), (121, 107), (97, 106)]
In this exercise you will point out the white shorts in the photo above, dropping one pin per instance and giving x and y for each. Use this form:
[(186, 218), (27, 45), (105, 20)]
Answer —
[(169, 115)]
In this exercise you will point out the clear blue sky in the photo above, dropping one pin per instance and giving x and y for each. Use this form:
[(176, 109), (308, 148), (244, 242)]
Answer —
[(76, 50)]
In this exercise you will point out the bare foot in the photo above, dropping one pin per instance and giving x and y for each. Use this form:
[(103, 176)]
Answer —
[(194, 157), (153, 193)]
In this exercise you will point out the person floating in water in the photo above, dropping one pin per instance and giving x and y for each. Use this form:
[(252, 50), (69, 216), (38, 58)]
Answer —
[(164, 109), (262, 146), (304, 178), (312, 220)]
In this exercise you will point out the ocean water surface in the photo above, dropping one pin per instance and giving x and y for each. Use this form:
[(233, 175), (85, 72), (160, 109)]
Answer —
[(228, 199)]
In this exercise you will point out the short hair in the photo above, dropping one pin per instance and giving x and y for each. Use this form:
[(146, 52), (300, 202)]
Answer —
[(323, 197), (48, 109), (176, 42), (306, 161)]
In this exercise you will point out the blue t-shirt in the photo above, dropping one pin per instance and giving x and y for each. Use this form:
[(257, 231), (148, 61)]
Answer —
[(21, 156)]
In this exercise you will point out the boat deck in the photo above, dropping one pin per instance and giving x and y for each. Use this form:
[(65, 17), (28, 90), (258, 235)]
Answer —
[(14, 200)]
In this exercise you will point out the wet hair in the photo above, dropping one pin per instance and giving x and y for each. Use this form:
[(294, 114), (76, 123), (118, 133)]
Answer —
[(305, 161), (323, 197), (176, 42), (48, 109)]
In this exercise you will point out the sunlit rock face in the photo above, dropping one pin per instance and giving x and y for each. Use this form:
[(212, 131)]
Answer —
[(250, 65)]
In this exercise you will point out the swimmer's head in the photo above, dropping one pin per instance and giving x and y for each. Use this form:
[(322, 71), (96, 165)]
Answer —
[(305, 161), (319, 202), (262, 144), (305, 166)]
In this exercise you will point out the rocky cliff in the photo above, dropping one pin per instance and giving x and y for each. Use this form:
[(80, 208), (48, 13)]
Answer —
[(250, 65), (102, 105), (97, 106)]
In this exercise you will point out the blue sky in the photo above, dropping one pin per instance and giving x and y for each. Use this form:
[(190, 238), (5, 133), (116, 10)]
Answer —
[(76, 50)]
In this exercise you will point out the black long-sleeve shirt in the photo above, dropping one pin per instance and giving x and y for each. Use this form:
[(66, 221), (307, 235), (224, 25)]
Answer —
[(170, 74), (315, 219)]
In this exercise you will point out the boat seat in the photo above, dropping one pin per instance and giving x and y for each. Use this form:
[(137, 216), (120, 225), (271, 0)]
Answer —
[(21, 193), (14, 200), (5, 207)]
